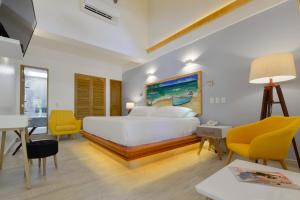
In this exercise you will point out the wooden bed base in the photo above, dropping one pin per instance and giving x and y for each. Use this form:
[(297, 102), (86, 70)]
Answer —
[(132, 153)]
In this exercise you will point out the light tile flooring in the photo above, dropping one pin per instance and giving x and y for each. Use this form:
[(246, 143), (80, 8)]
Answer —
[(86, 173)]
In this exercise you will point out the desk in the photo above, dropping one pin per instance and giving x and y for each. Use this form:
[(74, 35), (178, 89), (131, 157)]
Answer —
[(34, 123), (15, 123), (223, 185)]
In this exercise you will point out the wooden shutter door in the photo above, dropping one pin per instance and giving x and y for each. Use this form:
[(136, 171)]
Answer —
[(89, 96), (98, 106), (82, 96), (115, 98)]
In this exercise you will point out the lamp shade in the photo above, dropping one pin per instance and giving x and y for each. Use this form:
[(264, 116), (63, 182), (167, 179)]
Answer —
[(276, 67), (129, 105)]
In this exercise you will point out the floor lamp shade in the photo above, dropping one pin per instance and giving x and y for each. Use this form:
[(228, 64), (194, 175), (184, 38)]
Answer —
[(276, 67)]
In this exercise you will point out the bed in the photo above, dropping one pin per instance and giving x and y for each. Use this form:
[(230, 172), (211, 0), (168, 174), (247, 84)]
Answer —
[(144, 132)]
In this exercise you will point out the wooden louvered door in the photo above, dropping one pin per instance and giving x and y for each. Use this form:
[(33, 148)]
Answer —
[(89, 96), (115, 98), (98, 93)]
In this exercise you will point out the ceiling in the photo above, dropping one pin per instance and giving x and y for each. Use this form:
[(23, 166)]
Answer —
[(62, 24)]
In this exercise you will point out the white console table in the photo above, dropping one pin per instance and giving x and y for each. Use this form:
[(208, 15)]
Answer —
[(12, 123)]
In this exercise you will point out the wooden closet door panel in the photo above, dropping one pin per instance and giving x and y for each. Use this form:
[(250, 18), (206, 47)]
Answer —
[(83, 96), (115, 98), (98, 106)]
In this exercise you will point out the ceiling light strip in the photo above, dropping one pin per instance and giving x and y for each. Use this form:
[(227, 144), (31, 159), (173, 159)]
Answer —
[(202, 21)]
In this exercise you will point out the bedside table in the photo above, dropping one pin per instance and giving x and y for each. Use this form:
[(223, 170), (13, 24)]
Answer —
[(214, 134)]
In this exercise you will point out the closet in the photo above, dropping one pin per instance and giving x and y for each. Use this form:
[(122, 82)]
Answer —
[(90, 96)]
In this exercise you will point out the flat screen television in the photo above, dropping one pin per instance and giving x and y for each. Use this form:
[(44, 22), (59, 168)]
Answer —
[(17, 21)]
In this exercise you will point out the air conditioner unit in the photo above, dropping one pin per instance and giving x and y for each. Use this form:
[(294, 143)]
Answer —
[(103, 9)]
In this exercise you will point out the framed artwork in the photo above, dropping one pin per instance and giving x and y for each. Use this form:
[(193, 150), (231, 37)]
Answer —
[(183, 91)]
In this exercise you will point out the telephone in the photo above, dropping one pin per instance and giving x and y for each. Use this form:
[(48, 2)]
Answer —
[(212, 123)]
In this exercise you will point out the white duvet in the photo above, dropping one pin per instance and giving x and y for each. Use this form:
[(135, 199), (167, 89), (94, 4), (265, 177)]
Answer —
[(134, 131)]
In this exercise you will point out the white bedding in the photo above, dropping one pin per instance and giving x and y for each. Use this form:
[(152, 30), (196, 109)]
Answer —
[(134, 131)]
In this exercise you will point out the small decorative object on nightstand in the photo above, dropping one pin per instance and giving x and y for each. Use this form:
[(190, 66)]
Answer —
[(214, 134)]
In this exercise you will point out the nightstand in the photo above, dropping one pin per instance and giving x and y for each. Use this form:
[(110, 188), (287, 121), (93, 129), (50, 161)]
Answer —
[(214, 134)]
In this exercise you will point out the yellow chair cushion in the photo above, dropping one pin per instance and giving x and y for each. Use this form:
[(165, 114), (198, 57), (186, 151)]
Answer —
[(65, 128), (241, 149)]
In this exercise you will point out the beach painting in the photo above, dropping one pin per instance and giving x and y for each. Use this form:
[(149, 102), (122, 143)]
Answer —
[(180, 91)]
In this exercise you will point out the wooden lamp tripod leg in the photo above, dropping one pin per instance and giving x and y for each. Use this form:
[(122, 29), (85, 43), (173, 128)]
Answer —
[(264, 106), (266, 109)]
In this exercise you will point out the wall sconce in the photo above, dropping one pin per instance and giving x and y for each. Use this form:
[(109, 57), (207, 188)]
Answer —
[(151, 79), (190, 64), (150, 75), (151, 71), (191, 55), (189, 67)]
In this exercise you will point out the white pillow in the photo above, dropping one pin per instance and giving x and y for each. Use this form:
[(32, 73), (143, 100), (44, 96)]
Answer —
[(191, 114), (171, 111), (141, 111)]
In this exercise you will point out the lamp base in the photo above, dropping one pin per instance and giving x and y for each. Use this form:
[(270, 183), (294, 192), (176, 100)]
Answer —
[(266, 110)]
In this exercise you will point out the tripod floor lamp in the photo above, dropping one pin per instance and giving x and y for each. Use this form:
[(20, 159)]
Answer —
[(271, 70)]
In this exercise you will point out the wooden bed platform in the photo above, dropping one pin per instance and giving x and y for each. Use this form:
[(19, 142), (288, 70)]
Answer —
[(136, 152)]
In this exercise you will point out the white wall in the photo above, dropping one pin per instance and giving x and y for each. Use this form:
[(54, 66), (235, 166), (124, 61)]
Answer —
[(129, 36), (169, 16), (8, 75), (62, 66), (180, 13)]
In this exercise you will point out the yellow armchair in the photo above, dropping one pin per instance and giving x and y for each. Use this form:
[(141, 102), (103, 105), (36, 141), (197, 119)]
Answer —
[(268, 139), (63, 122)]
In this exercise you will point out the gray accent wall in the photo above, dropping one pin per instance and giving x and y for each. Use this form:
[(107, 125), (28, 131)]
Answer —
[(225, 59)]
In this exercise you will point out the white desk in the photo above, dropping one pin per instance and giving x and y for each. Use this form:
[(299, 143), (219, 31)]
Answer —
[(223, 185), (12, 123)]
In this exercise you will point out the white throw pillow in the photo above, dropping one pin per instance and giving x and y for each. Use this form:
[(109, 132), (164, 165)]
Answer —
[(141, 111), (171, 111), (191, 114)]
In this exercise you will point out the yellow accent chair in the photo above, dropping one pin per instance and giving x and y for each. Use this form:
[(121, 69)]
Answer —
[(63, 122), (268, 139)]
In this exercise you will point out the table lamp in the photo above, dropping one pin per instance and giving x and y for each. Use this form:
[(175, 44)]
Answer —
[(129, 106), (271, 70)]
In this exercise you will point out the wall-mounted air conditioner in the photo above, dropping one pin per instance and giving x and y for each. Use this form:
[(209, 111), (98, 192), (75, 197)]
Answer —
[(104, 9)]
